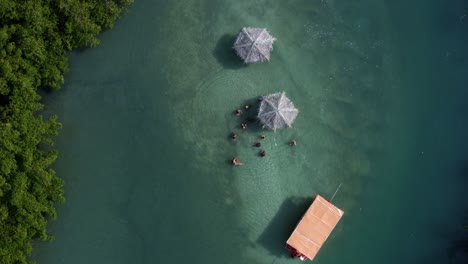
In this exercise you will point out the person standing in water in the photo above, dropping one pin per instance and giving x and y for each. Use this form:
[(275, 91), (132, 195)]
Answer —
[(233, 136), (236, 162)]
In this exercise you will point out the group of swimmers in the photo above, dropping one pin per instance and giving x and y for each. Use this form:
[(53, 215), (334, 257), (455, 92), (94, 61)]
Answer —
[(243, 125), (238, 112), (262, 153)]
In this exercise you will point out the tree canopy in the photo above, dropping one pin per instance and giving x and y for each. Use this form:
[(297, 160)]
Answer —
[(35, 36)]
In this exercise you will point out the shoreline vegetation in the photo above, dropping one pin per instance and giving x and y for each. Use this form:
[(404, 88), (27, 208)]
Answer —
[(35, 36)]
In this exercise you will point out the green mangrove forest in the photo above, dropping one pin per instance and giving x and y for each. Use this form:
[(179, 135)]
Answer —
[(35, 36)]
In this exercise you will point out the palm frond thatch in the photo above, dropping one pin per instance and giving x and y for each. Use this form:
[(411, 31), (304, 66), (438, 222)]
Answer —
[(277, 111), (254, 45)]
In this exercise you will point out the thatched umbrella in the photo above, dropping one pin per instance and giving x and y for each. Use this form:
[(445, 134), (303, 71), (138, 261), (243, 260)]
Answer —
[(254, 45), (277, 111)]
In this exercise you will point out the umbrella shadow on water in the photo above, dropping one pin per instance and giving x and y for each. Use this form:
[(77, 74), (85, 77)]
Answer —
[(250, 116), (225, 54), (282, 225)]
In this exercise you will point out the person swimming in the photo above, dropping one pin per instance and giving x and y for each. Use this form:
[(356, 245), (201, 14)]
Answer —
[(236, 162), (292, 143), (262, 136), (262, 153), (234, 136), (258, 144), (238, 112), (243, 125)]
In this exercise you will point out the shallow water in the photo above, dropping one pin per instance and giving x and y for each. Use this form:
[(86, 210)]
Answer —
[(145, 147)]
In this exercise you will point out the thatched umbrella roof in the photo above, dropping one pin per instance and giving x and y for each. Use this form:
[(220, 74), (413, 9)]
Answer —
[(254, 45), (277, 111)]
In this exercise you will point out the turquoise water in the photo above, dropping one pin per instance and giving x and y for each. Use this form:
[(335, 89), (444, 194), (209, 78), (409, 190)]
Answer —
[(145, 147)]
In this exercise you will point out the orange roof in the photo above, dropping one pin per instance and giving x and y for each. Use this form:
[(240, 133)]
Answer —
[(315, 227)]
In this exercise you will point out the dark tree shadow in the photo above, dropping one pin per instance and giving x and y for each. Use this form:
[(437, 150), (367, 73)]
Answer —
[(4, 100), (225, 54), (282, 225), (458, 251), (464, 171)]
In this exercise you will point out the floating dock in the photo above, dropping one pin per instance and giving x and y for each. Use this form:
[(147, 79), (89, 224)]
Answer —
[(313, 229)]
